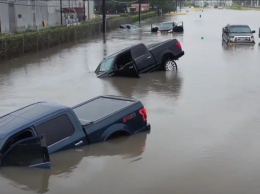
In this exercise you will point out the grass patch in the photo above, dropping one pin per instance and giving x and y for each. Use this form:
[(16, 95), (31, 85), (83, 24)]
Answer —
[(238, 7)]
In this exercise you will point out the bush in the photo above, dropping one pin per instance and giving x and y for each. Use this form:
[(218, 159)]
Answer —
[(19, 43), (147, 15)]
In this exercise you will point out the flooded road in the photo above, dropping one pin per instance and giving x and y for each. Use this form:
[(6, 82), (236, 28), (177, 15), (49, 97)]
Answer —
[(205, 118)]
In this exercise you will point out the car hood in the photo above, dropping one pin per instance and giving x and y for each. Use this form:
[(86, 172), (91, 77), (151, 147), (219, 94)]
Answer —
[(240, 34)]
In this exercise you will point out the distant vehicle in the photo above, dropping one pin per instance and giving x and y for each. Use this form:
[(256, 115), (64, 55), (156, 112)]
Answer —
[(28, 135), (129, 27), (137, 59), (215, 6), (220, 7), (238, 34), (168, 27)]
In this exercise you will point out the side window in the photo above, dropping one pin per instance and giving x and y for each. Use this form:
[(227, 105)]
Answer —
[(15, 138), (138, 51), (55, 129)]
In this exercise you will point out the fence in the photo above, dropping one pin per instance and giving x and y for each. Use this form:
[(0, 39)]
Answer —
[(18, 44)]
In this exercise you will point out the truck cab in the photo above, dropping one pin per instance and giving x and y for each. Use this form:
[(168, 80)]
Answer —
[(37, 124)]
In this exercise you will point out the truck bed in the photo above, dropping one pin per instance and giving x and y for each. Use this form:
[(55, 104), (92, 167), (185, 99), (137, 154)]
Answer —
[(100, 107)]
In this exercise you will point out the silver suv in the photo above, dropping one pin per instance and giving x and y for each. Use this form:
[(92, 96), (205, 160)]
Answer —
[(238, 34)]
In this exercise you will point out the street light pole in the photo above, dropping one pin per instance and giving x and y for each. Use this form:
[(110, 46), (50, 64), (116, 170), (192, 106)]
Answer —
[(104, 15), (84, 10), (88, 11), (60, 12), (139, 11)]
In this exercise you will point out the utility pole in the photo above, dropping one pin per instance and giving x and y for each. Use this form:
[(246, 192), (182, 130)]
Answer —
[(60, 12), (139, 11), (84, 10), (104, 15), (88, 11)]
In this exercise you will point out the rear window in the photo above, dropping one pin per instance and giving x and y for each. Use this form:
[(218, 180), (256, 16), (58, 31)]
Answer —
[(138, 51)]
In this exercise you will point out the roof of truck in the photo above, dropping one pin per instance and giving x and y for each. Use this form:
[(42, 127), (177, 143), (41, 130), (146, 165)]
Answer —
[(27, 115)]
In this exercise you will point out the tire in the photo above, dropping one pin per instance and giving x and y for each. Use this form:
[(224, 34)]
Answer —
[(169, 65), (223, 38), (227, 41)]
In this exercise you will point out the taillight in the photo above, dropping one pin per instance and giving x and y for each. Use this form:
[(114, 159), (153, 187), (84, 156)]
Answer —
[(178, 44), (143, 113)]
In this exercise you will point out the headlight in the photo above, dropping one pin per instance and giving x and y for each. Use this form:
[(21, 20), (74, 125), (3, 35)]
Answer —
[(170, 31)]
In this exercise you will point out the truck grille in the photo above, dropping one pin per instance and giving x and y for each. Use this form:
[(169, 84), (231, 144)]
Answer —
[(243, 39)]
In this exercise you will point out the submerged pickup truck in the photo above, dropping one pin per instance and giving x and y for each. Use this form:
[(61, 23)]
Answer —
[(28, 135), (138, 59)]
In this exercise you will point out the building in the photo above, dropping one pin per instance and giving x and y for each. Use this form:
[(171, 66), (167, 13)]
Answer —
[(144, 6), (20, 15), (202, 3), (224, 3)]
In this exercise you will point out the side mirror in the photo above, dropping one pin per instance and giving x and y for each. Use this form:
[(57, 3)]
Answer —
[(253, 31)]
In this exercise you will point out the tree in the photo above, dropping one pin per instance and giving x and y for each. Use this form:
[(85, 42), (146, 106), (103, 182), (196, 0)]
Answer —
[(165, 5)]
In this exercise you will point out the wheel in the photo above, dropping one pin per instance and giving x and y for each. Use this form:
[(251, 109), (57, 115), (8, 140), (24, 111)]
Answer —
[(226, 41), (170, 65), (223, 38)]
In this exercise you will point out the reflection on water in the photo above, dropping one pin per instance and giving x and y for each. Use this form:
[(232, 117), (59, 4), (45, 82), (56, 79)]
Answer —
[(165, 83), (237, 47), (128, 148)]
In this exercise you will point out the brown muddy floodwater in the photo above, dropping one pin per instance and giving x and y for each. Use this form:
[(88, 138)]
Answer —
[(205, 118)]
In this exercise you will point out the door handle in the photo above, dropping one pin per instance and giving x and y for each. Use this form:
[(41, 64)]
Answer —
[(149, 57), (79, 143)]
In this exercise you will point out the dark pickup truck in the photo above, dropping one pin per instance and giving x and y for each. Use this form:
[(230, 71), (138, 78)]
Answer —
[(138, 59), (238, 34), (28, 135)]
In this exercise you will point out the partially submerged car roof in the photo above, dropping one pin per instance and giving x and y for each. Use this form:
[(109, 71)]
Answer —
[(169, 22), (26, 116), (123, 50)]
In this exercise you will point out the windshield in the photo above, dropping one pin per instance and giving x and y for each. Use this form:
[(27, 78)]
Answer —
[(166, 26), (240, 29), (107, 64)]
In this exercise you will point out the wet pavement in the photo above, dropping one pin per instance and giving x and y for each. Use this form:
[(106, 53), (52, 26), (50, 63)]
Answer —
[(205, 118)]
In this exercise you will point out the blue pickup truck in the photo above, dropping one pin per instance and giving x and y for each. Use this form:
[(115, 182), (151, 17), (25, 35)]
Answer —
[(28, 135)]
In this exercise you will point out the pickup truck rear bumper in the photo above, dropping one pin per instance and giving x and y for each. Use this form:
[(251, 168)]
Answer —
[(145, 128), (148, 127), (179, 55)]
